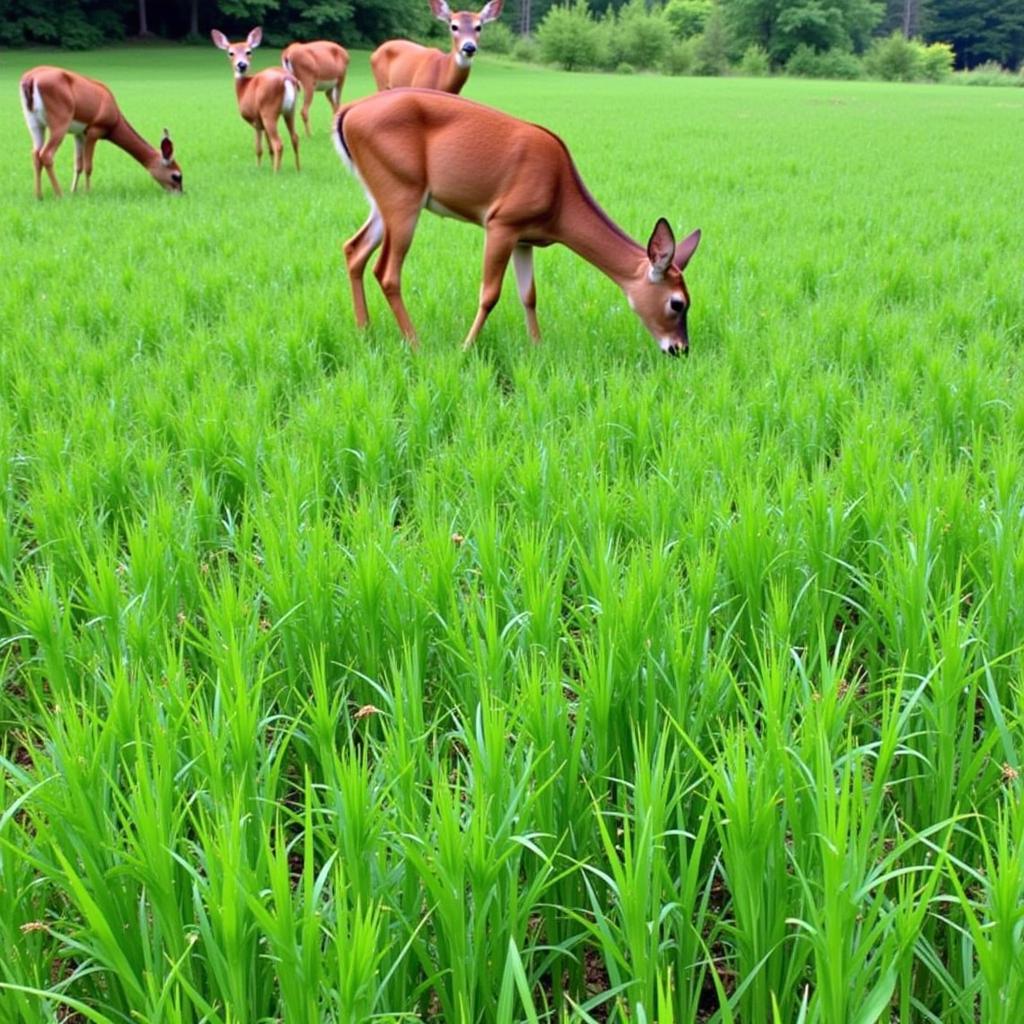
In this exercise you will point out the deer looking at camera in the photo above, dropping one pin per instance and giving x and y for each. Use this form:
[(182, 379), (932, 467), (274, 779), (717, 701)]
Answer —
[(64, 102), (399, 62), (263, 97), (418, 148), (320, 67)]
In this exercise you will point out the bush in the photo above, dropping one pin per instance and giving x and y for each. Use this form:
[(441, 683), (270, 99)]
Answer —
[(569, 37), (687, 18), (712, 46), (989, 73), (680, 59), (640, 38), (526, 50), (755, 63), (937, 62), (807, 63), (498, 38), (895, 59), (625, 69)]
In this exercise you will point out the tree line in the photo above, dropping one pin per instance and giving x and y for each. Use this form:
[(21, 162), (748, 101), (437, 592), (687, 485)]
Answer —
[(977, 30)]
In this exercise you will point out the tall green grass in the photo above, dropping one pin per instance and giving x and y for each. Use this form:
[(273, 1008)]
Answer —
[(540, 683)]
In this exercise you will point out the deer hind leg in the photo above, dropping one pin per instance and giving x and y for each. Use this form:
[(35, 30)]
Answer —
[(47, 153), (522, 261), (79, 161), (289, 120), (274, 141), (334, 96), (259, 143), (308, 91), (358, 250), (399, 227), (498, 248), (91, 138)]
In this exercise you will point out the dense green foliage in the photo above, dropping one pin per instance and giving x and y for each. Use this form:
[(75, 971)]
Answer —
[(978, 30), (340, 683)]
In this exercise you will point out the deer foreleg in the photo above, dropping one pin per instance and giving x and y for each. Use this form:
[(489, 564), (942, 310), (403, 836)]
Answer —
[(259, 144), (522, 261), (497, 249)]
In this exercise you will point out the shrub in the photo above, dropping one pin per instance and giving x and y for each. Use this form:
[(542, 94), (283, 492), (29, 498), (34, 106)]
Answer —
[(687, 18), (641, 37), (895, 59), (498, 38), (680, 59), (712, 47), (937, 61), (569, 37), (989, 73), (625, 69), (755, 63), (807, 63), (526, 50)]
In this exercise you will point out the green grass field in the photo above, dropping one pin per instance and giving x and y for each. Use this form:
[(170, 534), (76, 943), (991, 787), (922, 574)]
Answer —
[(565, 682)]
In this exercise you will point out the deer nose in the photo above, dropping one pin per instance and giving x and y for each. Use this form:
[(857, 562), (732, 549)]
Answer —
[(469, 48), (242, 66)]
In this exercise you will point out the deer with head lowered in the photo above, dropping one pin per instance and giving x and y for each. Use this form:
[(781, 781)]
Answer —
[(263, 97), (64, 102), (417, 148), (399, 62), (320, 67)]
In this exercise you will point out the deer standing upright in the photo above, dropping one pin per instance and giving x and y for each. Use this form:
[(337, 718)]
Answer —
[(263, 97), (399, 62), (63, 101), (320, 67), (418, 148)]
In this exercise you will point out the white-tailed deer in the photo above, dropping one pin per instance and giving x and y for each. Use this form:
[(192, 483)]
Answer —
[(64, 102), (263, 97), (399, 62), (320, 67), (417, 148)]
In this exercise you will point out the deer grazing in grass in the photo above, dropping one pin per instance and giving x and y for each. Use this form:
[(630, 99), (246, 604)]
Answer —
[(399, 62), (263, 97), (61, 101), (320, 67), (417, 148)]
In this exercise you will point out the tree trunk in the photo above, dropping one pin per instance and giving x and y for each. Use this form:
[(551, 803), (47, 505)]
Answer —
[(909, 18), (143, 22), (524, 17), (193, 21)]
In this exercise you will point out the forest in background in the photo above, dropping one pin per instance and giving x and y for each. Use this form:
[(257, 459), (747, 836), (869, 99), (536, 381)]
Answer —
[(979, 31)]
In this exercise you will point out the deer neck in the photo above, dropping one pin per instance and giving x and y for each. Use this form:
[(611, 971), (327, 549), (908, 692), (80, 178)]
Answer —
[(455, 75), (586, 229), (128, 139)]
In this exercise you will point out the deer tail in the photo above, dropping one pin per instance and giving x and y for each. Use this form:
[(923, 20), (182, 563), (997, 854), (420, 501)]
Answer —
[(27, 92)]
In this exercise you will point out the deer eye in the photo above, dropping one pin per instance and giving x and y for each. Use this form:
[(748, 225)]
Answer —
[(248, 53), (176, 176), (455, 28), (676, 305), (476, 28)]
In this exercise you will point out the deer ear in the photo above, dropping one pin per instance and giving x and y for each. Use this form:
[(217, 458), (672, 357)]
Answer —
[(219, 40), (441, 9), (685, 249), (254, 38), (166, 147), (491, 11), (661, 248)]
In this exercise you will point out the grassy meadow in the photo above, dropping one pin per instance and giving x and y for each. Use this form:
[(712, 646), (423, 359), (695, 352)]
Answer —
[(552, 683)]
